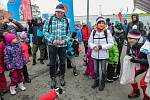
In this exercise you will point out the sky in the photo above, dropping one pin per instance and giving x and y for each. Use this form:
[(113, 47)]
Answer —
[(107, 6)]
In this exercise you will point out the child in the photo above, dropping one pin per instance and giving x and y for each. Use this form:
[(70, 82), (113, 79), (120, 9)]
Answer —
[(112, 62), (119, 37), (90, 64), (72, 52), (25, 48), (135, 42), (100, 41), (52, 95), (3, 83), (14, 60)]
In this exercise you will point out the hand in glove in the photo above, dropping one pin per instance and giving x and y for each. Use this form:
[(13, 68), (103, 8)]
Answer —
[(99, 47), (134, 60)]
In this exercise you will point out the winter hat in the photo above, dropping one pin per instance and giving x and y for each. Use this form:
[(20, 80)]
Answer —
[(134, 33), (23, 35), (100, 19), (60, 8), (119, 26), (9, 37)]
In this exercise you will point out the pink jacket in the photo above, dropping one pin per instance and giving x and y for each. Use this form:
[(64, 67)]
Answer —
[(2, 47), (25, 50)]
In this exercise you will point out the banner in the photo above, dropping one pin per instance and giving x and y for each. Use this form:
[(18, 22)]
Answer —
[(26, 12), (13, 7), (120, 17), (20, 9), (68, 4)]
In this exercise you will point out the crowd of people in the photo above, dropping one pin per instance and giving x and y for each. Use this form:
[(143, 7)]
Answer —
[(103, 44)]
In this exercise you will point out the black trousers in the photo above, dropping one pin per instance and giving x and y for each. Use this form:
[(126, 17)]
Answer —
[(25, 72), (53, 53), (85, 46)]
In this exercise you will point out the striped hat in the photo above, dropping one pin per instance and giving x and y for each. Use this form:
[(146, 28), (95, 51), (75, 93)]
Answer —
[(60, 8), (100, 19), (134, 34)]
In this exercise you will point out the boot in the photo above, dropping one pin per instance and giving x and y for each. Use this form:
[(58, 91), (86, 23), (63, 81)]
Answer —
[(12, 90), (62, 81), (75, 72), (27, 80), (58, 73), (146, 98), (34, 62), (136, 92), (53, 83), (96, 84), (21, 86), (26, 75), (41, 61), (48, 64), (101, 86)]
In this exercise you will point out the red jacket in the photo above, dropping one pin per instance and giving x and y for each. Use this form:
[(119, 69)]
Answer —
[(2, 47), (52, 95), (86, 32), (25, 50)]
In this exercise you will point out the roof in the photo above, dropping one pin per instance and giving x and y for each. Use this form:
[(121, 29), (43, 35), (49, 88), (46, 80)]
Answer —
[(143, 5)]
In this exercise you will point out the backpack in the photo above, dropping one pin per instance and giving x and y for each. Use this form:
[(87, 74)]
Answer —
[(50, 24), (72, 48), (105, 33)]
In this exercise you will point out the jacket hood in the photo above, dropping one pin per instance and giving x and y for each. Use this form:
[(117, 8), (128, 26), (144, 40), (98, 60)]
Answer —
[(137, 17)]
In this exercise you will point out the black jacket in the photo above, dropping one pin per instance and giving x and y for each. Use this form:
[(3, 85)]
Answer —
[(38, 40), (141, 58), (138, 23)]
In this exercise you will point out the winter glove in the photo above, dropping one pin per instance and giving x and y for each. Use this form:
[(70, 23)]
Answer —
[(99, 47), (134, 60)]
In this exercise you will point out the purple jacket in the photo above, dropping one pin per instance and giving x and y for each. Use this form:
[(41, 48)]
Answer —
[(13, 56)]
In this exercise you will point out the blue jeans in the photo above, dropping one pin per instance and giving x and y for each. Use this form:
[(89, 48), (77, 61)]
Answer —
[(53, 53), (100, 70)]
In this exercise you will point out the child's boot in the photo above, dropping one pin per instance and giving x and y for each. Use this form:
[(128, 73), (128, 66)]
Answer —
[(21, 86), (75, 71), (34, 62), (12, 90), (96, 84)]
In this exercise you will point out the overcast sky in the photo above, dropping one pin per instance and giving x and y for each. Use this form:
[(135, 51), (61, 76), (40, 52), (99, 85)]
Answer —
[(107, 6)]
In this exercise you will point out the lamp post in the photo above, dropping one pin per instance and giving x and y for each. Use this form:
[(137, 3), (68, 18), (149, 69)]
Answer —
[(88, 11)]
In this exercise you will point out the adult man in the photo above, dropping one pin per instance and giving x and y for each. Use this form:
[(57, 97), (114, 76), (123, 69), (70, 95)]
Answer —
[(56, 32), (135, 21), (37, 40), (86, 31)]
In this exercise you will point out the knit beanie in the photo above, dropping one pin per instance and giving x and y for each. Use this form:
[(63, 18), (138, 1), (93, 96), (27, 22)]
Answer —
[(134, 34), (60, 8), (9, 37), (23, 35), (100, 19), (119, 26)]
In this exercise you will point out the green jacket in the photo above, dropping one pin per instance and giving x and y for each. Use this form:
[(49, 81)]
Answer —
[(114, 54)]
